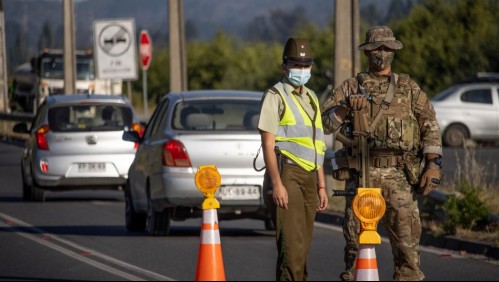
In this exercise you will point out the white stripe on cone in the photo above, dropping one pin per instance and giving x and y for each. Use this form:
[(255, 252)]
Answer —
[(211, 236), (366, 252)]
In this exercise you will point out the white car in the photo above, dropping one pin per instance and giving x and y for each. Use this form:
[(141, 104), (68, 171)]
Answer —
[(75, 142), (468, 111), (188, 130)]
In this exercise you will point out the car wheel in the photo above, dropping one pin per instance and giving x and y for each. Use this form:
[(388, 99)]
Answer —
[(31, 191), (455, 136), (269, 222), (27, 194), (134, 221), (37, 194), (158, 223)]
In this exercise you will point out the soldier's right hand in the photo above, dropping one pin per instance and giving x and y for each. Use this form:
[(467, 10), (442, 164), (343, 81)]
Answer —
[(358, 102)]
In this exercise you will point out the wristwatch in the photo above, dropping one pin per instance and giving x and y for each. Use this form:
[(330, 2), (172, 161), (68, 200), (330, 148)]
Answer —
[(437, 161)]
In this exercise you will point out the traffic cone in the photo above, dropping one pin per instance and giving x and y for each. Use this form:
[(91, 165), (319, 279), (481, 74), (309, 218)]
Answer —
[(366, 268), (210, 262)]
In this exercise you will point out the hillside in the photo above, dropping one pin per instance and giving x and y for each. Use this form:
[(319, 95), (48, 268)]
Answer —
[(24, 22)]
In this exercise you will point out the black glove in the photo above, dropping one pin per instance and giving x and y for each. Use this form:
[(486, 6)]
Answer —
[(430, 179)]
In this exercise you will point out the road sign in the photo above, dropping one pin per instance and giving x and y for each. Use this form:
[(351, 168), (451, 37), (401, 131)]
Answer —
[(115, 51), (145, 49)]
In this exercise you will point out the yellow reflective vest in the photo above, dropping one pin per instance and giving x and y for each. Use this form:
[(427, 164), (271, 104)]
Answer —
[(299, 137)]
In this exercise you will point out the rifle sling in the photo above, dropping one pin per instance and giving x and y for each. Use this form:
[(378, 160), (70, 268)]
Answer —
[(385, 104)]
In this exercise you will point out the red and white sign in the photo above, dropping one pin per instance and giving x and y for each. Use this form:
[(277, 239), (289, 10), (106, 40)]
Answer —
[(145, 49)]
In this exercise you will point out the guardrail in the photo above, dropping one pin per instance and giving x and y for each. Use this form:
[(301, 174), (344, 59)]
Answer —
[(27, 117)]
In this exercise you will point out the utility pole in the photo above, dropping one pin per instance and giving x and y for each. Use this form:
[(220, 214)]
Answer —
[(4, 96), (69, 48), (346, 54), (178, 65)]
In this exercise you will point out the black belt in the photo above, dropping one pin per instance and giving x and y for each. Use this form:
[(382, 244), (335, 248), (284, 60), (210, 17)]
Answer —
[(288, 161)]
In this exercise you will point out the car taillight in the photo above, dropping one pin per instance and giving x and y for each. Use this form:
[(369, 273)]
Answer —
[(140, 130), (174, 154), (44, 165), (41, 137)]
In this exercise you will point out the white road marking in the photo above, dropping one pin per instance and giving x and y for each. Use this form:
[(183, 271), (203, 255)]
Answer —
[(71, 253)]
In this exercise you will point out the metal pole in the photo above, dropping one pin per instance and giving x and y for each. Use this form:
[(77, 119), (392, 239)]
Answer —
[(144, 83), (4, 90), (178, 69), (355, 36), (129, 89), (69, 48), (343, 41)]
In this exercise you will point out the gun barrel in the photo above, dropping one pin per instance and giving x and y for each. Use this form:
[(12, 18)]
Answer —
[(343, 193)]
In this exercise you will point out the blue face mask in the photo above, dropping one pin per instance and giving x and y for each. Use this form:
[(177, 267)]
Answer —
[(298, 77)]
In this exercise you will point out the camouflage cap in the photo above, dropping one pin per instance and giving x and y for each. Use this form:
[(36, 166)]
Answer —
[(377, 36), (297, 50)]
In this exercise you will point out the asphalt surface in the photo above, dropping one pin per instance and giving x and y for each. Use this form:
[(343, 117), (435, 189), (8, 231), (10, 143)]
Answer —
[(452, 243)]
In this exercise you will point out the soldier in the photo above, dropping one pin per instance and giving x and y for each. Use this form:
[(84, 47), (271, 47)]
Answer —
[(293, 148), (403, 135)]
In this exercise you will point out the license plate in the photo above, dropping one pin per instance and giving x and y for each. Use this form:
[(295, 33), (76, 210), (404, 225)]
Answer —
[(91, 167), (239, 193)]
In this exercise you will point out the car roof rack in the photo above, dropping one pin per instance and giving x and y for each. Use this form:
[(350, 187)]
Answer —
[(482, 77)]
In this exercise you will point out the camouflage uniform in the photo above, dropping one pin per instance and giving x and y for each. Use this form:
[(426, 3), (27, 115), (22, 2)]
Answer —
[(407, 129)]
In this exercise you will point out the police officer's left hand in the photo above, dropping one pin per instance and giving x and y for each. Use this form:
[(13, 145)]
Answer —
[(430, 179)]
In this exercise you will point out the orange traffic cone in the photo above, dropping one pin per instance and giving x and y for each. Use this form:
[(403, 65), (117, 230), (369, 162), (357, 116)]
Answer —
[(210, 262), (366, 265)]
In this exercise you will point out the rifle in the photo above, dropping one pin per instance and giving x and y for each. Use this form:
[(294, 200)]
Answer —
[(360, 130), (358, 147)]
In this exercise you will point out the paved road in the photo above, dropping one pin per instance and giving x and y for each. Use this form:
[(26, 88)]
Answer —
[(81, 236)]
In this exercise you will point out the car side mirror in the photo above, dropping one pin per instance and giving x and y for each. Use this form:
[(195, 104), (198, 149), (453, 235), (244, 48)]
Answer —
[(20, 128), (132, 136)]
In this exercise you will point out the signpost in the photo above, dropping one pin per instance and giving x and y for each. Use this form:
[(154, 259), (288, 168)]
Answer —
[(145, 51)]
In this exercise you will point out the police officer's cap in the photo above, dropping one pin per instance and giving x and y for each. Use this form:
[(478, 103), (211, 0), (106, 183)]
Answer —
[(377, 36), (297, 50)]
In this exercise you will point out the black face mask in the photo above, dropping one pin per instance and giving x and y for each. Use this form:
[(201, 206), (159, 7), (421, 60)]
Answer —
[(380, 60)]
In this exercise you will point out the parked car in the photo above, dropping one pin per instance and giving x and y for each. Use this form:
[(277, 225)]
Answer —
[(188, 130), (468, 111), (75, 142)]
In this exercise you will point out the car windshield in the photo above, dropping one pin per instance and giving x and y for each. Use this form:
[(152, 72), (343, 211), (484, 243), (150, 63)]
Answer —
[(94, 117), (53, 68), (217, 115)]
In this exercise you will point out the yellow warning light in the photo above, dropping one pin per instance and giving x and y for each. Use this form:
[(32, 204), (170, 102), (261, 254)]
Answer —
[(208, 181), (369, 207)]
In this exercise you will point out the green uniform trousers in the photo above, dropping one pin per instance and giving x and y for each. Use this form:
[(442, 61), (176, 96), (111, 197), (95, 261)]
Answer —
[(294, 226)]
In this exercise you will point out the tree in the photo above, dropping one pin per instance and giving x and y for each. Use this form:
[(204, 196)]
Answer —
[(447, 41)]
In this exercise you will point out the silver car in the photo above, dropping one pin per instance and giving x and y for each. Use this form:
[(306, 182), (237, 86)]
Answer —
[(75, 142), (468, 111), (186, 131)]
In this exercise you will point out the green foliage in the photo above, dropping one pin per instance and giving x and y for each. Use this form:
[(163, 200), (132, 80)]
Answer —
[(447, 41), (444, 41), (465, 211)]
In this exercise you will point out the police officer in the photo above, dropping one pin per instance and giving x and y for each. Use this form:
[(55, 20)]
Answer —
[(404, 133), (293, 146)]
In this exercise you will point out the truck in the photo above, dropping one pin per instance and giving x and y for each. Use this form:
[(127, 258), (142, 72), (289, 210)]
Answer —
[(44, 76)]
